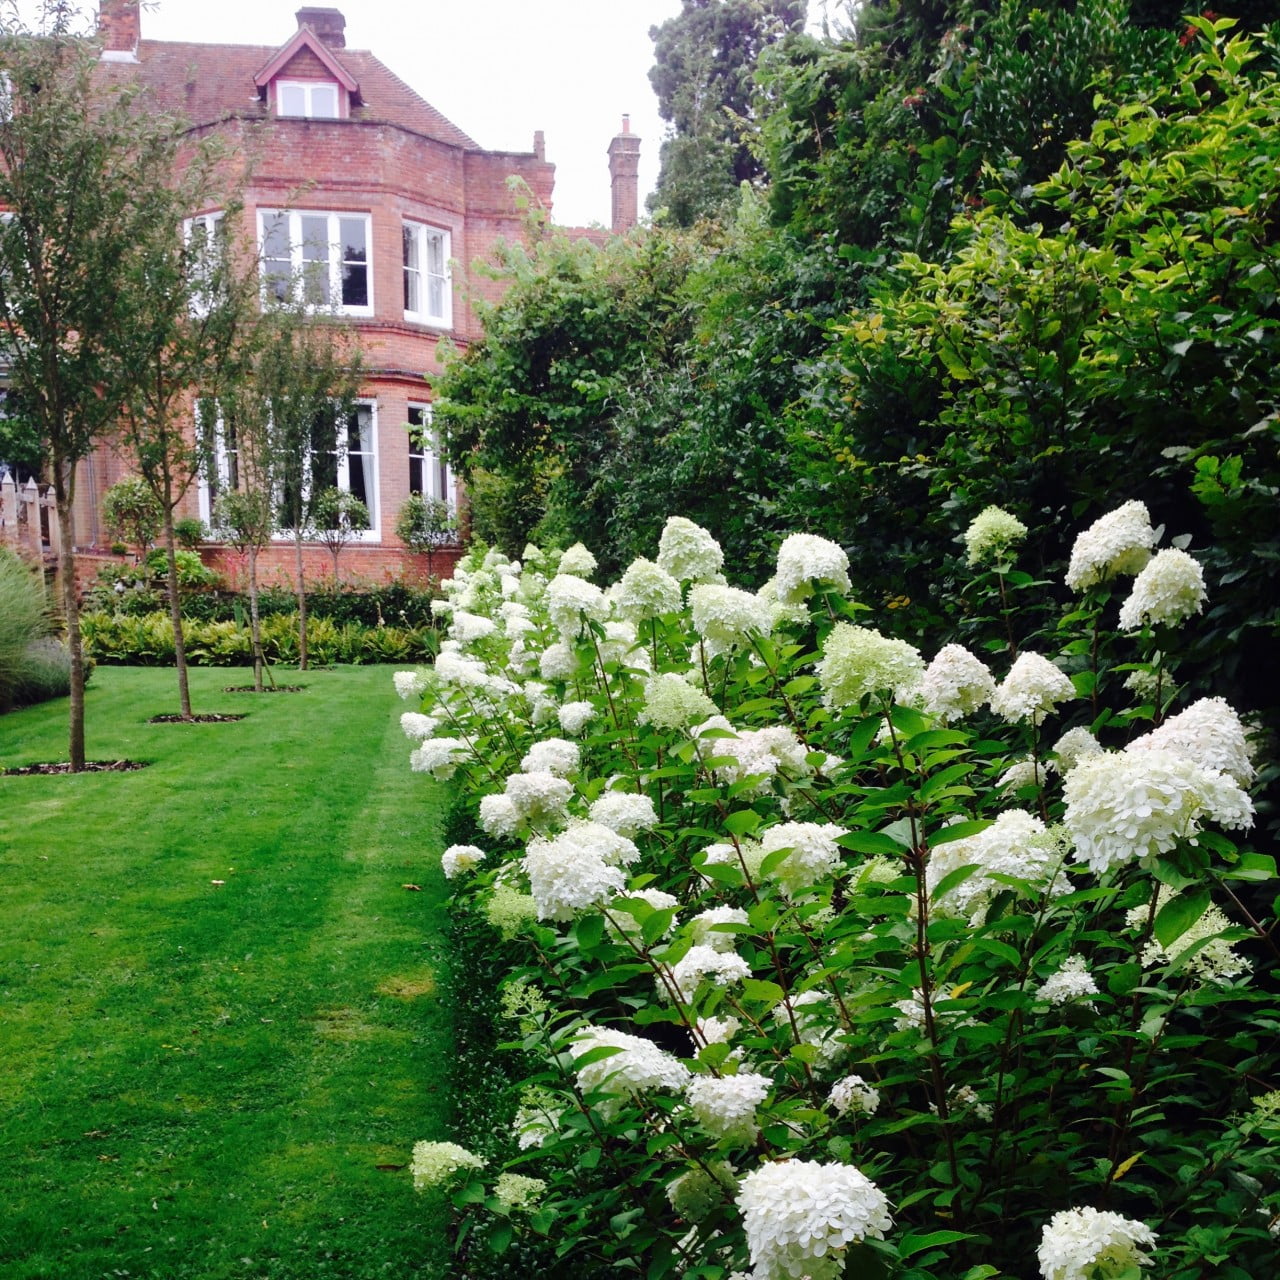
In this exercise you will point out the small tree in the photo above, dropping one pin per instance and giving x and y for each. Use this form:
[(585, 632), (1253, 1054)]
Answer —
[(80, 169), (425, 525), (247, 520), (338, 516), (132, 513)]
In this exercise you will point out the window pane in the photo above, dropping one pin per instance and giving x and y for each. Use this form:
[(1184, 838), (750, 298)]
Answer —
[(275, 235), (436, 296), (324, 101), (293, 99), (415, 473), (315, 259), (358, 467), (412, 283), (358, 425), (355, 274)]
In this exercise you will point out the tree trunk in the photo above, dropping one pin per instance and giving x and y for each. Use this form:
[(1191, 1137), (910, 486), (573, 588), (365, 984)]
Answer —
[(302, 599), (255, 627), (175, 613), (64, 494)]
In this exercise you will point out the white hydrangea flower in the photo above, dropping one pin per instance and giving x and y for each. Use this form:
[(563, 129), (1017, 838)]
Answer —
[(699, 962), (754, 753), (1022, 773), (966, 1099), (804, 559), (1092, 1244), (1071, 982), (1015, 844), (409, 684), (566, 876), (778, 611), (454, 668), (801, 1216), (991, 535), (704, 930), (552, 755), (853, 1094), (1168, 591), (499, 816), (724, 616), (725, 1106), (671, 702), (571, 601), (440, 757), (748, 852), (814, 853), (458, 858), (817, 1021), (719, 1030), (688, 552), (537, 1119), (647, 591), (1208, 733), (437, 1162), (954, 685), (539, 797), (1118, 543), (638, 1065), (624, 812), (695, 1193), (1216, 960), (1123, 807), (1033, 687), (1074, 746), (857, 661), (575, 716), (416, 726), (441, 608), (577, 561), (516, 1193), (466, 628), (558, 662), (600, 841)]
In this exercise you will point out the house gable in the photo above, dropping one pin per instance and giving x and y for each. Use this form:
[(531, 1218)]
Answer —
[(306, 61)]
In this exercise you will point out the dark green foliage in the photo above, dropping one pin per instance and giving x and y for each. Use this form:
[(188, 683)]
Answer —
[(190, 533), (704, 62)]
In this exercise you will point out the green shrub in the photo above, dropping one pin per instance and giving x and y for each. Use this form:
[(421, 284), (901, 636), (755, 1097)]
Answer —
[(44, 673), (24, 619), (190, 533)]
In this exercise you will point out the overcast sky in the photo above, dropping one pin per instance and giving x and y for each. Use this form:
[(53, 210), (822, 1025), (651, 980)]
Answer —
[(499, 69)]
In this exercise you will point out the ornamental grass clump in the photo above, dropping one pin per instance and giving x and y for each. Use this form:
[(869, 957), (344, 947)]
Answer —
[(825, 954)]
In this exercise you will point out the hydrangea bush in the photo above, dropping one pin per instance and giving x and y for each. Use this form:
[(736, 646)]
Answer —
[(831, 957)]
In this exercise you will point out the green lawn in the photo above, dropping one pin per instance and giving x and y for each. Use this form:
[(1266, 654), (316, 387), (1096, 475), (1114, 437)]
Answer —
[(219, 1080)]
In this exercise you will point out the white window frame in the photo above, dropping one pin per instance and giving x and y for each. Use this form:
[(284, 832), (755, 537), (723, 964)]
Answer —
[(418, 238), (436, 472), (211, 223), (299, 262), (308, 90), (222, 464), (222, 461)]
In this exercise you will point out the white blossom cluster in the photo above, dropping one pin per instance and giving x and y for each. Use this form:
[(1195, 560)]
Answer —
[(437, 1162), (752, 753), (800, 1217), (725, 1106), (1208, 733), (724, 616), (1211, 958), (695, 1193), (689, 553), (1092, 1244), (814, 853), (575, 716), (805, 560), (857, 661), (625, 812), (852, 1094), (1031, 690), (440, 757), (409, 684), (697, 965), (1118, 543), (954, 685), (1168, 591), (707, 927), (1124, 807), (458, 858), (672, 702), (637, 1064), (554, 756), (572, 601), (647, 591), (1071, 982), (992, 534)]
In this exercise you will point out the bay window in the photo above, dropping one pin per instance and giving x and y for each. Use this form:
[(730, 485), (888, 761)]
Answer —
[(320, 259), (427, 295)]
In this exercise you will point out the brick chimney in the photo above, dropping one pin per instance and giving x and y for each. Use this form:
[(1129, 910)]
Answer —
[(119, 29), (624, 170), (328, 24)]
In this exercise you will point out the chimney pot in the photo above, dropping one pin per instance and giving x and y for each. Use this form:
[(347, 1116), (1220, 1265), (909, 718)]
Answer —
[(539, 144)]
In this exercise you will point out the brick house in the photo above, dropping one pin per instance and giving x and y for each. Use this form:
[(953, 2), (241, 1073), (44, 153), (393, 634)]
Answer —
[(382, 204)]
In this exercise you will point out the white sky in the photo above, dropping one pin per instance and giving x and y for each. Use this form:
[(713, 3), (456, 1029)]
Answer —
[(499, 69)]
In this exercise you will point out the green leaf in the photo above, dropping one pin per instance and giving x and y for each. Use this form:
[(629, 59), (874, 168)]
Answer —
[(500, 1234), (1252, 866), (758, 989), (742, 823), (871, 842), (952, 879), (1179, 914), (912, 1244)]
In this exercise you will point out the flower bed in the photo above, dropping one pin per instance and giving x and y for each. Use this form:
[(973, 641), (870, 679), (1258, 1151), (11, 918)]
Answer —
[(820, 956)]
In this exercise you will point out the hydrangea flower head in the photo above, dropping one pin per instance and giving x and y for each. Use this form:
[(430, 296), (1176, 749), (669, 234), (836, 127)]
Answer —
[(558, 662), (1212, 961), (1071, 982), (814, 853), (694, 1194), (624, 812), (637, 1064), (1118, 543), (804, 559), (800, 1217), (1208, 733), (704, 927), (539, 797), (701, 963), (1016, 844), (573, 601), (858, 661), (552, 755), (725, 1106), (671, 702), (460, 857), (1124, 807), (853, 1094), (568, 875), (954, 685), (577, 561), (516, 1193), (688, 552), (647, 591), (1033, 687), (1074, 746), (409, 684), (416, 726), (724, 616), (575, 716), (991, 535), (1092, 1244), (437, 1162), (1168, 591), (440, 757)]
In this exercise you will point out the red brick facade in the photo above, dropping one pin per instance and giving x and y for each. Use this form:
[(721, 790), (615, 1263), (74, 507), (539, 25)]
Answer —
[(389, 160)]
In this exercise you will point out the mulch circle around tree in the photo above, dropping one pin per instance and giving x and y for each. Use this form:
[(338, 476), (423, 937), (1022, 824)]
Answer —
[(271, 688), (211, 718), (63, 766)]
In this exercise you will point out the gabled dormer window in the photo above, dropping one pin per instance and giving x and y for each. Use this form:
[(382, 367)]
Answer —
[(312, 99)]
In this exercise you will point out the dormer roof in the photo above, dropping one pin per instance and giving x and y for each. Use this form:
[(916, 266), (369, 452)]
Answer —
[(306, 40)]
